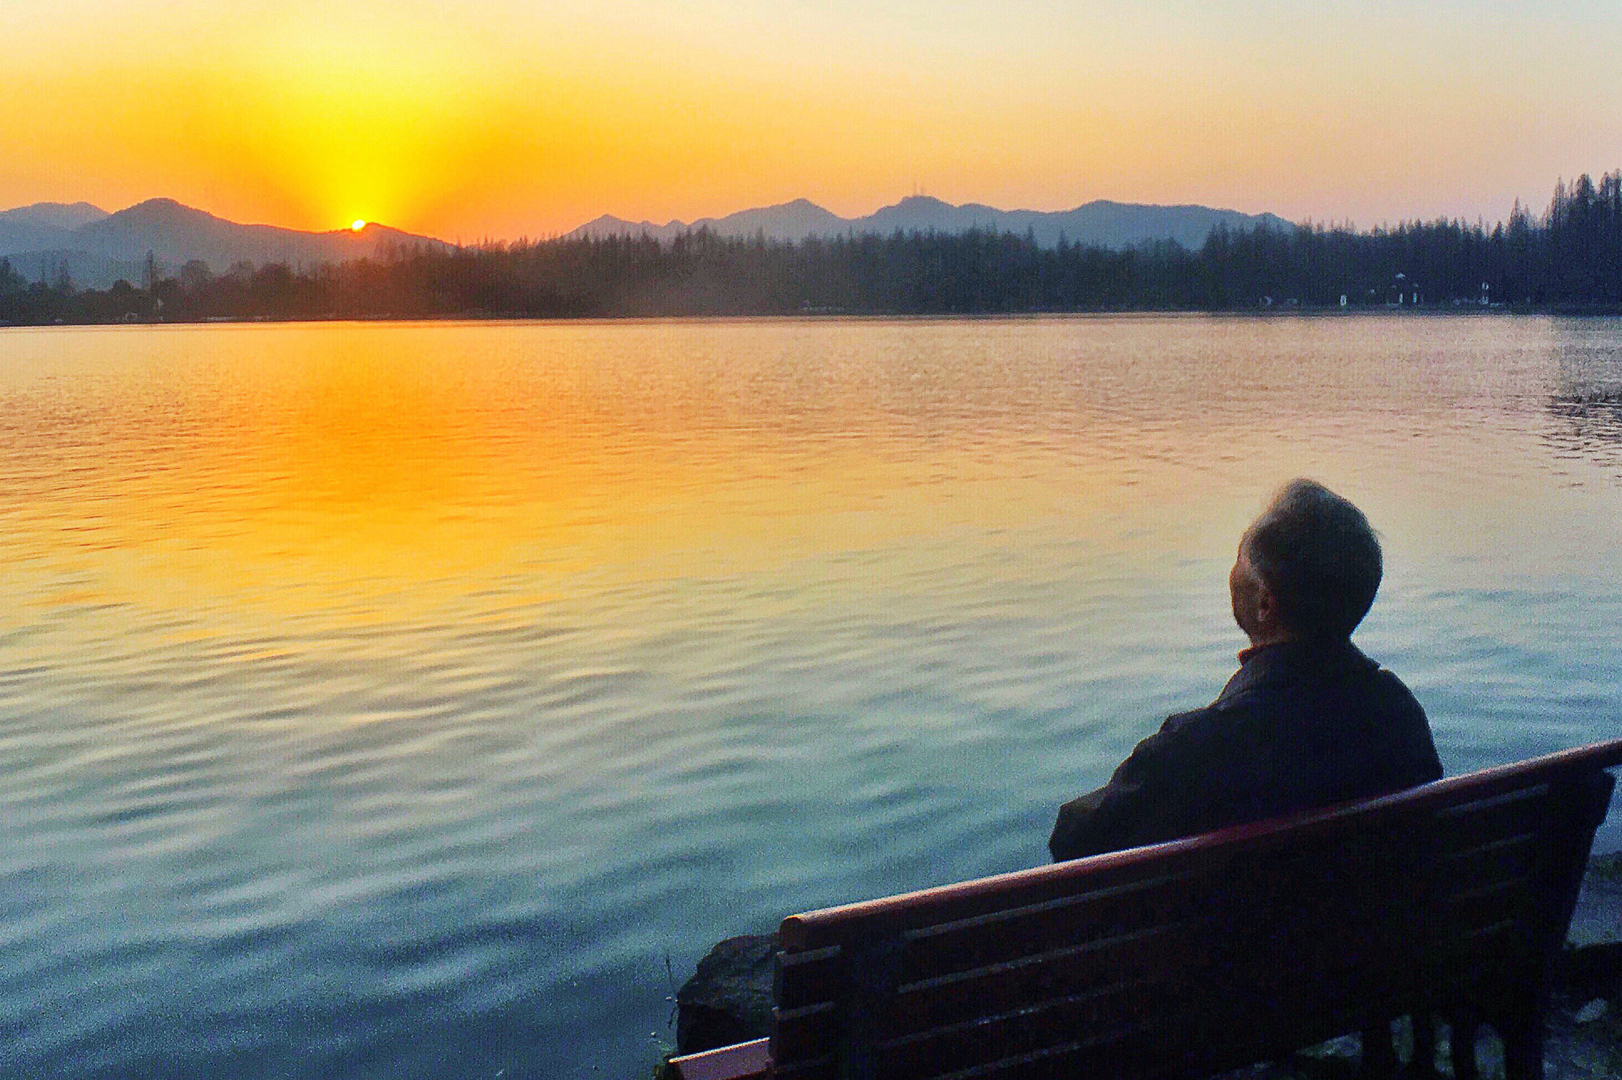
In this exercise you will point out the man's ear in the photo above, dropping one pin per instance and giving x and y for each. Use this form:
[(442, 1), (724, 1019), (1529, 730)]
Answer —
[(1269, 619)]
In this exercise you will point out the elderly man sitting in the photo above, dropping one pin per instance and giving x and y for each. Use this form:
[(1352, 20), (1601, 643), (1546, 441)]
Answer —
[(1306, 721)]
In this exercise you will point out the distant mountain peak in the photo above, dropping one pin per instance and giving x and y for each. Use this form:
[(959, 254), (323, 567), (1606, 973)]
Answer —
[(52, 215), (1103, 222), (105, 247), (606, 219), (162, 209), (78, 208)]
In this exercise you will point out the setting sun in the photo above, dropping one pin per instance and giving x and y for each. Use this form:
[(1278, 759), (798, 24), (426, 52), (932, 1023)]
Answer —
[(358, 224)]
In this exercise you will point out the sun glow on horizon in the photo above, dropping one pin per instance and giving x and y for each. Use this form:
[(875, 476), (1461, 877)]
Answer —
[(511, 119), (358, 224)]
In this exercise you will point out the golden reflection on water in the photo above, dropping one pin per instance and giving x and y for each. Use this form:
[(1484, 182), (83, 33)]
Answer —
[(375, 473)]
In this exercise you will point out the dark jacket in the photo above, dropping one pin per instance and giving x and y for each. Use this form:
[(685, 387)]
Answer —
[(1299, 725)]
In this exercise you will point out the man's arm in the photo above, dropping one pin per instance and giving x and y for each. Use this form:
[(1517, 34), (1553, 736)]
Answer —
[(1143, 802), (1084, 825)]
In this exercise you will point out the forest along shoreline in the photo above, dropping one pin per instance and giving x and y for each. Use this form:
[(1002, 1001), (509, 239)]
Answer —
[(1567, 260)]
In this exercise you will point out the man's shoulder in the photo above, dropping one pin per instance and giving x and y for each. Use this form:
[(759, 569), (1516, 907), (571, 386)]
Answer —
[(1196, 729), (1393, 685)]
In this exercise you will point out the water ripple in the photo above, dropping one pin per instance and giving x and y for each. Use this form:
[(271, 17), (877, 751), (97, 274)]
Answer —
[(393, 701)]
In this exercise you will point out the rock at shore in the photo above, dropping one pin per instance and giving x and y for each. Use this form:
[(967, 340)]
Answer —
[(729, 999)]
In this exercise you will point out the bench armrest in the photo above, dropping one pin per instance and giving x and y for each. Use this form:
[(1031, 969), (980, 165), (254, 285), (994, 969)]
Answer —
[(744, 1061)]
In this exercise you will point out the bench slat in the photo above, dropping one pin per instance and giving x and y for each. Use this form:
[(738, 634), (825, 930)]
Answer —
[(1142, 1031), (1119, 1058), (744, 1061), (1167, 1009), (969, 900), (823, 1068), (1471, 910), (807, 978), (1501, 860), (1524, 810), (958, 946), (1166, 1035), (1121, 1010), (1152, 955), (804, 1034)]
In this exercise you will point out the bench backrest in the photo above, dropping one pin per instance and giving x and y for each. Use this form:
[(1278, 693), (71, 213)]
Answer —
[(1207, 953)]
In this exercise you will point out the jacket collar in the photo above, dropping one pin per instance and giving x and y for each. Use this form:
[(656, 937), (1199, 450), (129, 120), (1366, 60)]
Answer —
[(1269, 663)]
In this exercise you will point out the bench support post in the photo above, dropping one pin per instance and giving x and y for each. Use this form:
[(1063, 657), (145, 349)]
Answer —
[(1423, 1065), (1462, 1045), (872, 973), (1523, 1048), (1379, 1059)]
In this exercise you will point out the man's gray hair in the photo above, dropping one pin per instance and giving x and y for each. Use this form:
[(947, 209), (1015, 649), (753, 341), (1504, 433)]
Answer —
[(1318, 556)]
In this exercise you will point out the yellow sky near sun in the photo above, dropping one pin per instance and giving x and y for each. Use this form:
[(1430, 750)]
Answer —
[(501, 119)]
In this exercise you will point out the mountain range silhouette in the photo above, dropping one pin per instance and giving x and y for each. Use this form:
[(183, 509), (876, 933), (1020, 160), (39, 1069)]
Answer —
[(1101, 223), (96, 248)]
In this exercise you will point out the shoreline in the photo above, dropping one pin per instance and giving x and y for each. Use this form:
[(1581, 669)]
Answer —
[(1599, 311)]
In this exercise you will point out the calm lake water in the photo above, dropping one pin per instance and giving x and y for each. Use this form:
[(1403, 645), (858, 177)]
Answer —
[(405, 701)]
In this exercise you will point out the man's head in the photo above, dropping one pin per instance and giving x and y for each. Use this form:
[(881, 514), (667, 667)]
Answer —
[(1308, 568)]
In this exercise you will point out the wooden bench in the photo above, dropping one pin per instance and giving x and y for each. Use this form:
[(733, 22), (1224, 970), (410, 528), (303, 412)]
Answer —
[(1207, 954)]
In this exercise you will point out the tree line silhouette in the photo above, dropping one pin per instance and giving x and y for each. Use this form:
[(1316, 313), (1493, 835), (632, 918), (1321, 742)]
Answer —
[(1570, 257)]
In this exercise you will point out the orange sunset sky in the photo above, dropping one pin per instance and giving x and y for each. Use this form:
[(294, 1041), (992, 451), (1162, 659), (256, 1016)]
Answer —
[(472, 118)]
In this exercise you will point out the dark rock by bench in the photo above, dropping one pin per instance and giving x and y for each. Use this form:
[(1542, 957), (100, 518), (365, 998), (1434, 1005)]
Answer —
[(729, 999)]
